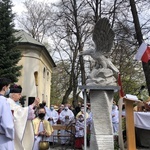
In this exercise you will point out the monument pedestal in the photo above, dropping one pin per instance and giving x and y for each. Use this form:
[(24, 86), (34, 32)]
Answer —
[(101, 99)]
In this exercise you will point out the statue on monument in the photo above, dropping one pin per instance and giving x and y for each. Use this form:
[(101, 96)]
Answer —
[(104, 70)]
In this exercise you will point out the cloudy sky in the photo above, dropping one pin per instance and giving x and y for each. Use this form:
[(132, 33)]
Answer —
[(18, 4), (19, 7)]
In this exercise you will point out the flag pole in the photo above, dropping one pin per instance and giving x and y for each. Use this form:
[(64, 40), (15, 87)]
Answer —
[(121, 143), (85, 135), (121, 95)]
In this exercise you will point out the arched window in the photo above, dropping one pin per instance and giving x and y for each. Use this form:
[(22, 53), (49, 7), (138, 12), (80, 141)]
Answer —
[(47, 76), (44, 72), (43, 97)]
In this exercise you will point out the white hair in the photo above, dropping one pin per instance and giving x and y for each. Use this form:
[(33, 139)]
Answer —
[(10, 95)]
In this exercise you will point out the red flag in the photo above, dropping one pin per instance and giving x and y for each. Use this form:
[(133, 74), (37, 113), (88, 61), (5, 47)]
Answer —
[(143, 53), (146, 56), (121, 93)]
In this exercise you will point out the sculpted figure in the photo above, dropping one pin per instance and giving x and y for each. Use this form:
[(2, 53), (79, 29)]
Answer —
[(103, 36)]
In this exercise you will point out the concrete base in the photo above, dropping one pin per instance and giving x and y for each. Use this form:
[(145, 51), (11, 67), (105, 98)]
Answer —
[(101, 142), (101, 99), (101, 105)]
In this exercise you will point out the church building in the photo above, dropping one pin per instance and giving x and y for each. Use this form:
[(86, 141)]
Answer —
[(37, 65)]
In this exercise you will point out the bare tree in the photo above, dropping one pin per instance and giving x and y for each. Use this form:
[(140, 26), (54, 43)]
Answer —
[(60, 82), (36, 20), (69, 25), (125, 44), (72, 32)]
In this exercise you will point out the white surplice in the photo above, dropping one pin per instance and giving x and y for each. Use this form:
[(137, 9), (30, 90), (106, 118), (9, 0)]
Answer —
[(54, 115), (64, 121), (39, 138), (6, 125), (115, 119), (47, 113), (24, 133), (79, 132)]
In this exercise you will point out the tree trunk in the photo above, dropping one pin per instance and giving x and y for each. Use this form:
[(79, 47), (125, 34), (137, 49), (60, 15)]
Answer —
[(65, 97)]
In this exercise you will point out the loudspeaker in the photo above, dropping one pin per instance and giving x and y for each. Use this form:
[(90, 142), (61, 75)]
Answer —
[(30, 100)]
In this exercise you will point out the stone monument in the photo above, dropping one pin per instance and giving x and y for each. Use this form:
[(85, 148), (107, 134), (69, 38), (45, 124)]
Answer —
[(101, 83)]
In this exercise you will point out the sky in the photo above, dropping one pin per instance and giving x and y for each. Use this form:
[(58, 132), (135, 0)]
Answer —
[(18, 5)]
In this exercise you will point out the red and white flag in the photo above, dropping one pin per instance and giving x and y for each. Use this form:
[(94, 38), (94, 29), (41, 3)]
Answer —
[(143, 53)]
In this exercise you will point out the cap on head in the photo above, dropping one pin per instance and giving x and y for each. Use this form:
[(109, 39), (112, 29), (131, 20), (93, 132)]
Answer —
[(15, 88)]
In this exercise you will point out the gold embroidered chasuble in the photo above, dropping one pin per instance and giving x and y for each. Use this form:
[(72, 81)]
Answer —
[(47, 127)]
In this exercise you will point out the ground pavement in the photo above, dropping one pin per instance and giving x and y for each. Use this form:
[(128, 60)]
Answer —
[(67, 148), (59, 147)]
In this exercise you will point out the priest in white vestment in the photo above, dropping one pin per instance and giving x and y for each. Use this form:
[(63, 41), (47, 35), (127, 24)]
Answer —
[(24, 133), (53, 118), (6, 118), (66, 117)]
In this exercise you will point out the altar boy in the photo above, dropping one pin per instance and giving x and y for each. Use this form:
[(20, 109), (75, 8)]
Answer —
[(79, 141)]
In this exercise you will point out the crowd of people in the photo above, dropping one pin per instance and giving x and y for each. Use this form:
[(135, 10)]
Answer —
[(67, 115), (23, 128)]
